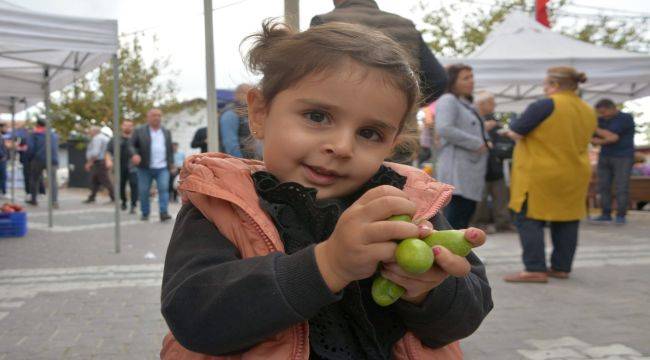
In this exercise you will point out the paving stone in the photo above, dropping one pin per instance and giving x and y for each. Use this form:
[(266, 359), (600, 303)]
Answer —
[(610, 350), (107, 305)]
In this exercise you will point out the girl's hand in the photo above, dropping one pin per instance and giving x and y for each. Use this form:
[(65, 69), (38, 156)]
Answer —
[(446, 263), (363, 237)]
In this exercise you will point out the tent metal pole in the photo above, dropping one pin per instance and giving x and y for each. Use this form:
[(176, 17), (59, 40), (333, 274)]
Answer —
[(211, 94), (13, 149), (117, 142), (292, 13), (48, 144)]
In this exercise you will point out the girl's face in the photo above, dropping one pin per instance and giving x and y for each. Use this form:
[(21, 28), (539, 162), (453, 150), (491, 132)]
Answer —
[(330, 131), (464, 83)]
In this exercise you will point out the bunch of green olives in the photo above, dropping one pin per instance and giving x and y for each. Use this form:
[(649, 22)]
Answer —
[(416, 257)]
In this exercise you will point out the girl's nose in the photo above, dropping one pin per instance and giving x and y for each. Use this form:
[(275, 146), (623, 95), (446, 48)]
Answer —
[(340, 145)]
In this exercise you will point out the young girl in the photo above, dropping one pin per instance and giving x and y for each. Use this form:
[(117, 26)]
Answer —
[(275, 259)]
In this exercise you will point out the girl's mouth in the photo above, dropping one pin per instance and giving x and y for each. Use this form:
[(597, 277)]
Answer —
[(320, 176)]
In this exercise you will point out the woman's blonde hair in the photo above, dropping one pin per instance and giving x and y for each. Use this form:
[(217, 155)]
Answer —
[(566, 77)]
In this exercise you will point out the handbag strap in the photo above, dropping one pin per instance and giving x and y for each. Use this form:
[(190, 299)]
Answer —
[(480, 120)]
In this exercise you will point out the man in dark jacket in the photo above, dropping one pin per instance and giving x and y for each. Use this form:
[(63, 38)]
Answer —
[(433, 78), (36, 157), (151, 146), (200, 139), (128, 173)]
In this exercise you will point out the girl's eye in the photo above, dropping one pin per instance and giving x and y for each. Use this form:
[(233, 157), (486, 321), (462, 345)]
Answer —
[(370, 134), (316, 116)]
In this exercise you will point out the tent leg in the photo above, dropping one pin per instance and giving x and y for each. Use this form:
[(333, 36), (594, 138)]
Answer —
[(48, 144), (116, 148), (12, 155)]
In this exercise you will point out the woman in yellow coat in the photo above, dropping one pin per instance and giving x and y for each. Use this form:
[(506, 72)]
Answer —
[(550, 174)]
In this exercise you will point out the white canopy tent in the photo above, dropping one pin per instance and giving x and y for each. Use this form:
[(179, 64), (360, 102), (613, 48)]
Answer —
[(512, 63), (41, 53)]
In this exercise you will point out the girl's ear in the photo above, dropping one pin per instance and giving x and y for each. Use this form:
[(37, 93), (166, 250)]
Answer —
[(257, 113)]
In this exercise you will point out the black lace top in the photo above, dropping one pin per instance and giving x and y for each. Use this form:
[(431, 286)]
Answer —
[(355, 327)]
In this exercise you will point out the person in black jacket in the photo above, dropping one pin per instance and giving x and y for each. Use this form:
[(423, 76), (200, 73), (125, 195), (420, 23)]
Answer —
[(128, 174), (36, 157), (200, 139), (495, 184), (433, 77), (151, 146)]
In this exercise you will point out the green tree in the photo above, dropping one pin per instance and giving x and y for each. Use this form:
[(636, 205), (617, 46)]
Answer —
[(449, 37), (89, 101)]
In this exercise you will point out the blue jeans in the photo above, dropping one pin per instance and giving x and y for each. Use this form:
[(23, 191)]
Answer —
[(145, 178), (617, 171), (564, 235)]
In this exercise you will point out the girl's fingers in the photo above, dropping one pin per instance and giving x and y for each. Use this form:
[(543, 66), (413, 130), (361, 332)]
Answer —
[(475, 236), (380, 231), (425, 228), (386, 206), (454, 265), (383, 251), (412, 286), (378, 192), (433, 275)]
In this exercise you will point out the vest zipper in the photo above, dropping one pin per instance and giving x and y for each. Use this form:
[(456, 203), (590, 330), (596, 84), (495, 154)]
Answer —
[(302, 328)]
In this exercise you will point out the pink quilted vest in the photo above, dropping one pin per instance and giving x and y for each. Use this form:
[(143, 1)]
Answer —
[(221, 187)]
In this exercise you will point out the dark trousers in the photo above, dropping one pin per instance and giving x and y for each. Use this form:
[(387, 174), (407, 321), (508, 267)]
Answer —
[(36, 179), (99, 177), (616, 171), (564, 235), (3, 177), (27, 170), (173, 193), (130, 178), (498, 213), (459, 211)]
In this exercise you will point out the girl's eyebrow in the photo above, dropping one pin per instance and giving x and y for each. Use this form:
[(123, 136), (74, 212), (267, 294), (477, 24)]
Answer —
[(333, 108)]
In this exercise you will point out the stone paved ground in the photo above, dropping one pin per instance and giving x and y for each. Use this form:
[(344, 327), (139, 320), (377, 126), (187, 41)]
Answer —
[(64, 294)]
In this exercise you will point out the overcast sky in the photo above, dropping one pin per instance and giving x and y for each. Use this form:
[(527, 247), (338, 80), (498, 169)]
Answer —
[(178, 25)]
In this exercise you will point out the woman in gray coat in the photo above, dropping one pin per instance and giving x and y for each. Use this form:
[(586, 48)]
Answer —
[(462, 158)]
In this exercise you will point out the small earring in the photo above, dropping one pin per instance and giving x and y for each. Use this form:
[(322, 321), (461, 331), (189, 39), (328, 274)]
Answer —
[(254, 132)]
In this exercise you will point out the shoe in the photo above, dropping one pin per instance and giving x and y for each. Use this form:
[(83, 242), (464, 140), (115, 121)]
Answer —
[(620, 220), (32, 202), (144, 217), (89, 201), (527, 277), (132, 210), (164, 217), (123, 207), (557, 274), (55, 205), (602, 220)]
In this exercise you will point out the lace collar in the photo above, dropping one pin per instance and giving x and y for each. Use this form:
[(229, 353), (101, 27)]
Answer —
[(320, 216)]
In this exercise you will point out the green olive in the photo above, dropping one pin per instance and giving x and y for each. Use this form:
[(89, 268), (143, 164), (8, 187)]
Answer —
[(400, 218), (453, 240), (414, 256), (385, 292)]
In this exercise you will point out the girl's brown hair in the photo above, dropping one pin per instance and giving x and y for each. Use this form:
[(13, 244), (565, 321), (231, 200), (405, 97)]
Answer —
[(566, 77), (284, 57)]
